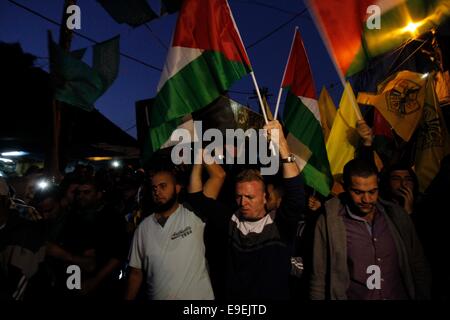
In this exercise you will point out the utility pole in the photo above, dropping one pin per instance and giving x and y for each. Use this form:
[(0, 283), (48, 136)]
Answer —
[(53, 159)]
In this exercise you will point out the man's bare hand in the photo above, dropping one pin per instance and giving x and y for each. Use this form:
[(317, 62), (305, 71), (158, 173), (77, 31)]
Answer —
[(365, 132), (313, 203), (274, 128), (408, 197)]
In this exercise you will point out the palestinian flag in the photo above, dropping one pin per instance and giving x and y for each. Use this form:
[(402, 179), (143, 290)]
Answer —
[(350, 31), (206, 57), (302, 119)]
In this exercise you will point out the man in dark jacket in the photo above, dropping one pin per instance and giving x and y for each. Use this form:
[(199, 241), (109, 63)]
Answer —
[(254, 244), (22, 249)]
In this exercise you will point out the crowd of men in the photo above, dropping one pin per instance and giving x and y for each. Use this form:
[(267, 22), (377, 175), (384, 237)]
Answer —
[(205, 232)]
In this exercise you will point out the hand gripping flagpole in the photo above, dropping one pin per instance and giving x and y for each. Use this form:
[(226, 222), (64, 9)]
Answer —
[(271, 146)]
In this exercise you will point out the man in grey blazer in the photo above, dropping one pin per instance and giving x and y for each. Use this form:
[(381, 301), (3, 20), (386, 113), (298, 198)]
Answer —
[(366, 248)]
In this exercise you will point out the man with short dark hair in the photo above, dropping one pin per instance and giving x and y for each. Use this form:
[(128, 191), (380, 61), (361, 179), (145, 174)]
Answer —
[(47, 203), (275, 193), (168, 252), (255, 243), (92, 237), (68, 188), (399, 184), (366, 248)]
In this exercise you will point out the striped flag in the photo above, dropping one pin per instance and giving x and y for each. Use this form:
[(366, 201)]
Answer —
[(302, 119), (206, 57)]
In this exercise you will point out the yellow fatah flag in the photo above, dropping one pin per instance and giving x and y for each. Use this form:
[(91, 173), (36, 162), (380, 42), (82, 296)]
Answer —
[(432, 139), (343, 138), (327, 111), (400, 101)]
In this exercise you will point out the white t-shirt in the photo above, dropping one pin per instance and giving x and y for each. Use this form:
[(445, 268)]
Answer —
[(172, 257)]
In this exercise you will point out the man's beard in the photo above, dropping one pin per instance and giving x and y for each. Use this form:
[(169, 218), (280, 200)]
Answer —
[(166, 206)]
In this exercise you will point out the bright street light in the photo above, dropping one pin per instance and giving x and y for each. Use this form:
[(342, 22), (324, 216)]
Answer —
[(14, 154)]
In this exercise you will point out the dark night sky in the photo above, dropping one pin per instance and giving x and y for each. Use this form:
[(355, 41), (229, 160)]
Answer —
[(254, 18)]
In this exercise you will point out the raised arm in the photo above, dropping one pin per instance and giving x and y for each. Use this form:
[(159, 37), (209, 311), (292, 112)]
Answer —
[(216, 178), (195, 180), (203, 197), (365, 132), (292, 206), (366, 150), (290, 169), (215, 181)]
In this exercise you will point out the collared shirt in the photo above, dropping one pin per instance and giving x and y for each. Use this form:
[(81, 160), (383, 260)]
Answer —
[(372, 244)]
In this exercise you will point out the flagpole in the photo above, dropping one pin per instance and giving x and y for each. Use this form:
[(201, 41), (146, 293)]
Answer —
[(52, 161), (284, 74), (271, 146), (330, 53), (278, 102), (251, 73), (259, 96)]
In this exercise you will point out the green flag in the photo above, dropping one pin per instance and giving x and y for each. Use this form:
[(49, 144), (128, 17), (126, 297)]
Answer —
[(76, 83), (206, 57), (302, 119), (106, 60)]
